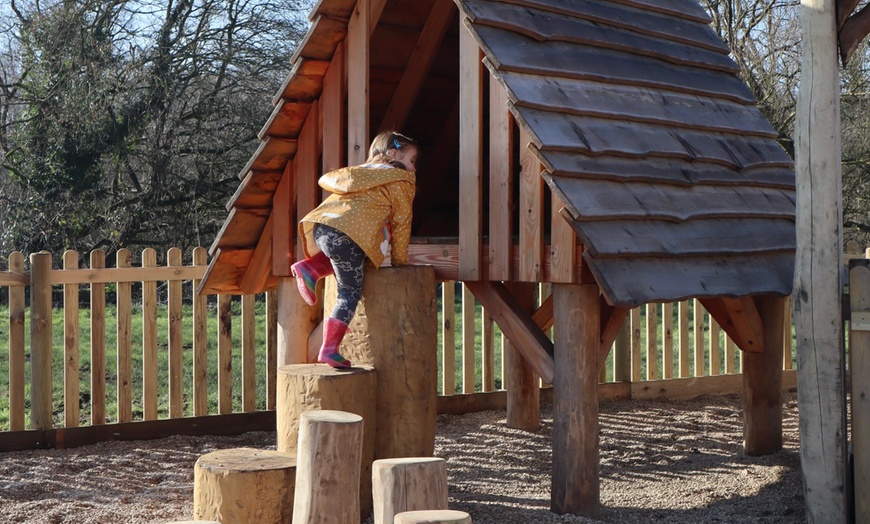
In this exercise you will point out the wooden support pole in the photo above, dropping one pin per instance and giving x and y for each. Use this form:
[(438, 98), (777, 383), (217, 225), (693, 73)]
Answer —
[(408, 484), (244, 485), (394, 329), (296, 321), (357, 49), (40, 340), (328, 468), (818, 289), (471, 86), (307, 387), (859, 352), (575, 403), (762, 383), (443, 516), (523, 392)]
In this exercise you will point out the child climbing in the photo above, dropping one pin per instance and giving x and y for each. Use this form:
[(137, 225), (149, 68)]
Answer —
[(370, 208)]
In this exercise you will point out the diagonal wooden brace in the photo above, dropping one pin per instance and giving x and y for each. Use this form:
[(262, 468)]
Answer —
[(739, 318), (517, 325)]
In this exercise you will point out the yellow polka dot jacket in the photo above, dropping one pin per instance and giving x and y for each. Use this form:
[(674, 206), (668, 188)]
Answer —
[(369, 203)]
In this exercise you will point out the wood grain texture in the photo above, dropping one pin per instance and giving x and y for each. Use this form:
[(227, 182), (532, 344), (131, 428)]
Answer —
[(149, 339), (124, 340), (762, 383), (405, 358), (175, 323), (605, 200), (328, 468), (471, 85), (408, 484), (501, 170), (769, 172), (244, 485), (675, 25), (635, 104), (256, 190), (304, 82), (557, 131), (98, 343), (40, 341), (16, 346), (200, 342), (307, 387), (549, 26), (70, 347), (523, 410), (575, 404), (625, 282), (703, 236), (572, 60), (859, 351)]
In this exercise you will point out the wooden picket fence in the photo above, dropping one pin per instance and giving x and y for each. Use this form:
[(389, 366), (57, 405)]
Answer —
[(675, 358)]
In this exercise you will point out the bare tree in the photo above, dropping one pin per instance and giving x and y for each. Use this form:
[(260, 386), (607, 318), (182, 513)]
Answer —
[(126, 122)]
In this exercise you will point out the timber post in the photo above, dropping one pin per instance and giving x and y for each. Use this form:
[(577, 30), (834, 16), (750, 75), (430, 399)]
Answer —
[(523, 391), (296, 320), (577, 323), (395, 329), (40, 340), (818, 281), (762, 383), (859, 354)]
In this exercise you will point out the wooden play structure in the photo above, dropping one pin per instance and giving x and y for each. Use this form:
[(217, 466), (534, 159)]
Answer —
[(607, 148)]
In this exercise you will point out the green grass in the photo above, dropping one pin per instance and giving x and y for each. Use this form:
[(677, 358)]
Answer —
[(111, 363), (162, 329)]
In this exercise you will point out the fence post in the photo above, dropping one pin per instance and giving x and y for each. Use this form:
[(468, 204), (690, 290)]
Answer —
[(40, 340)]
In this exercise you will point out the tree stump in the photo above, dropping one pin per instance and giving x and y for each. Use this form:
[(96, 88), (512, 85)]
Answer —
[(408, 484), (328, 471), (308, 387), (395, 329), (244, 485), (438, 516)]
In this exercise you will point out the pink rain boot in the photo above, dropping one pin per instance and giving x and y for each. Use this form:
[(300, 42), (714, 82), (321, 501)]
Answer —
[(308, 272), (333, 333)]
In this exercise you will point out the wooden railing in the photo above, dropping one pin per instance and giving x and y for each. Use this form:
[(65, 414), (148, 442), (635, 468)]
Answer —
[(199, 365)]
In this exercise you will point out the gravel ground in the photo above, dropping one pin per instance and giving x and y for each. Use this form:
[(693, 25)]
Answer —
[(661, 461)]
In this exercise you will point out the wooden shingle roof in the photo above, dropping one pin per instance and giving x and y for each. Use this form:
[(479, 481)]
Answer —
[(667, 171)]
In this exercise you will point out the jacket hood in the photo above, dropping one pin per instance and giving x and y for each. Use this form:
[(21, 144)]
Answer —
[(364, 177)]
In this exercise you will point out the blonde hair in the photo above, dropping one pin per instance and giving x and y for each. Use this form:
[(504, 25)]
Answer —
[(386, 141)]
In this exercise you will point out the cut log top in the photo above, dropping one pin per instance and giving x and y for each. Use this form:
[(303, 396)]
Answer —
[(245, 459), (406, 460), (438, 516), (331, 416), (322, 370)]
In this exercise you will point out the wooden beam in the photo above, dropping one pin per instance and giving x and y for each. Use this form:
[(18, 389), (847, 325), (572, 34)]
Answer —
[(859, 352), (358, 83), (332, 107), (739, 318), (307, 169), (259, 268), (419, 65), (854, 31), (845, 8), (575, 401), (471, 81), (283, 226), (543, 317), (376, 9), (501, 166), (762, 383), (818, 289), (612, 319), (517, 325), (524, 392), (531, 213)]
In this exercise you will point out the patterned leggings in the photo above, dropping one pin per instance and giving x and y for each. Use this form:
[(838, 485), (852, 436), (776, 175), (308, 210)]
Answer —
[(348, 262)]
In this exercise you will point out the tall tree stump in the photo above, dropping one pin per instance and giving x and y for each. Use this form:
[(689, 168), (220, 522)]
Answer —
[(408, 484), (395, 329), (328, 470), (307, 387), (438, 516), (244, 485)]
